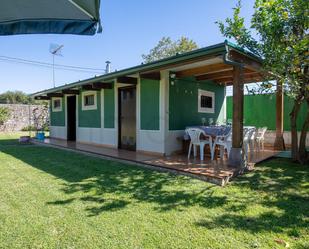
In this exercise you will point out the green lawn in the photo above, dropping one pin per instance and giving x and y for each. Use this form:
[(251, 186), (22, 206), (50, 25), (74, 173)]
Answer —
[(57, 199)]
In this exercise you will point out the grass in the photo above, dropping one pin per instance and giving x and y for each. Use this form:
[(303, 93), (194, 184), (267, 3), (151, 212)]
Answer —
[(51, 198)]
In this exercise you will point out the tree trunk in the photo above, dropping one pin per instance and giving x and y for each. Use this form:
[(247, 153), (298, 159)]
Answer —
[(294, 138), (303, 154)]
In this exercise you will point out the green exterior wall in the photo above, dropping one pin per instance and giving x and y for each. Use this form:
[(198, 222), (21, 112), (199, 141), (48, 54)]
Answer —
[(150, 104), (109, 108), (89, 118), (260, 110), (57, 118), (183, 103)]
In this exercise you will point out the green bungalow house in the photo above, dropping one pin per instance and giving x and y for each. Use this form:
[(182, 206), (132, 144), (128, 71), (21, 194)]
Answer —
[(147, 107)]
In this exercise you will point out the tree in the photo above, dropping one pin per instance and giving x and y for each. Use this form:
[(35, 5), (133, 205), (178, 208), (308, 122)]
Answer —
[(279, 34), (15, 97), (166, 48)]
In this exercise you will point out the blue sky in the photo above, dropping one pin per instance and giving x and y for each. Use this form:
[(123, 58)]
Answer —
[(130, 28)]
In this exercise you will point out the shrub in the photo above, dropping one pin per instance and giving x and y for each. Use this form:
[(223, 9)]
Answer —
[(4, 114), (28, 128), (45, 127), (33, 128)]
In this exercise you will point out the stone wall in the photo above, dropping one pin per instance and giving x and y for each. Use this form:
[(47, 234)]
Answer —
[(20, 116)]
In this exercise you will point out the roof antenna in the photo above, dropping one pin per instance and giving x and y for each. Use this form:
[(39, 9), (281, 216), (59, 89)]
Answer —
[(55, 49)]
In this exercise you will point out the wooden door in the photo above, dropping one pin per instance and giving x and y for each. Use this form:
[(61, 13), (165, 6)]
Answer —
[(127, 118)]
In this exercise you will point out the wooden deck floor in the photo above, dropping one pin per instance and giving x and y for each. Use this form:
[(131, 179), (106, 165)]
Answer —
[(216, 171)]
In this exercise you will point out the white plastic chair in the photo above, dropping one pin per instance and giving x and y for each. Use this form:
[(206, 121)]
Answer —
[(248, 134), (194, 134), (252, 140), (225, 143), (259, 139)]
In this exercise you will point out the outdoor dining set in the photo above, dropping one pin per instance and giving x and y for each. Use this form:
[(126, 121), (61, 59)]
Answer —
[(220, 136)]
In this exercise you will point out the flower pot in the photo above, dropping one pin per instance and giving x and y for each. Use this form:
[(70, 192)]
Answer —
[(40, 136)]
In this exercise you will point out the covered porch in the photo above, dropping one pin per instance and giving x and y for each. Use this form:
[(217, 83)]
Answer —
[(235, 68)]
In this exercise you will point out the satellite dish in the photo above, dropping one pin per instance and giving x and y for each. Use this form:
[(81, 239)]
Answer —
[(55, 49)]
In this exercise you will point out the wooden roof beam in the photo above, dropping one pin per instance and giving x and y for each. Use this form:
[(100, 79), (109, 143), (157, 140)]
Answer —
[(219, 75), (151, 76), (247, 61), (41, 98), (213, 68), (70, 91), (185, 62), (58, 95), (127, 80), (97, 86), (90, 88), (247, 79), (103, 85)]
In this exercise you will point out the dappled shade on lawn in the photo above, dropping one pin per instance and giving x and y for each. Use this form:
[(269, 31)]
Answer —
[(92, 193)]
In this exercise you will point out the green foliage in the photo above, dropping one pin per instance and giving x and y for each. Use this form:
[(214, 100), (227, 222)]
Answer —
[(46, 127), (166, 48), (279, 34), (4, 115), (16, 97), (29, 128)]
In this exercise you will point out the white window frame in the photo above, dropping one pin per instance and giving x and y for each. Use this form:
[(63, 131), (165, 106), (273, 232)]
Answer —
[(58, 109), (208, 94), (89, 107)]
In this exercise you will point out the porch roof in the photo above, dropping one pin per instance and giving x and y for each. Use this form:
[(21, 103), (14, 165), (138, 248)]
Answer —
[(209, 63)]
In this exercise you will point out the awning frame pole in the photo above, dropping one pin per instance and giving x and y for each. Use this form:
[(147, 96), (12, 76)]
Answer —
[(82, 9)]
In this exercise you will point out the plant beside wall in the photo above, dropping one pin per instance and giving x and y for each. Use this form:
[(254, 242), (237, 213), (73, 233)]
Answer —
[(29, 128), (4, 115)]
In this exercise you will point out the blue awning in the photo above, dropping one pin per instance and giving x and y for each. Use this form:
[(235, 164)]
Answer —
[(80, 17)]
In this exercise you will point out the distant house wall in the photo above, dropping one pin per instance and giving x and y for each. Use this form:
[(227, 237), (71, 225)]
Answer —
[(183, 103), (182, 108), (163, 110), (92, 126), (151, 114), (109, 108), (98, 126), (260, 110), (57, 118), (58, 127), (149, 104), (89, 118), (270, 137)]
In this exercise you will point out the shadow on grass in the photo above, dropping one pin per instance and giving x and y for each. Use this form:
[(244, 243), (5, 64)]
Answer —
[(6, 142), (281, 185), (110, 186)]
